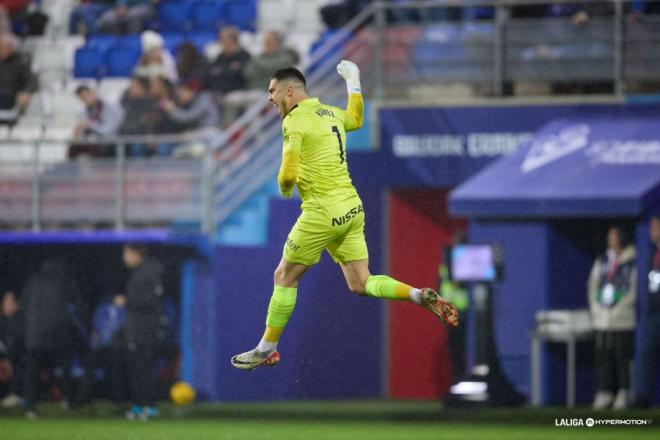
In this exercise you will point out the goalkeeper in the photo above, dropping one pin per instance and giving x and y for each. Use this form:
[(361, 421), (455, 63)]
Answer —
[(332, 218)]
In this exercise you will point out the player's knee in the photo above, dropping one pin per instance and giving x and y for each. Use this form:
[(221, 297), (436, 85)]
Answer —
[(357, 286), (282, 277), (279, 277)]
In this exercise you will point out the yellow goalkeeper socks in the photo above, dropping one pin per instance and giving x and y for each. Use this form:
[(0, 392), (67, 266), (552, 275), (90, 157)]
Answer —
[(382, 286), (281, 306)]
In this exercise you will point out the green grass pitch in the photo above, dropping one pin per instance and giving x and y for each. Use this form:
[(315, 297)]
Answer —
[(297, 430), (348, 420)]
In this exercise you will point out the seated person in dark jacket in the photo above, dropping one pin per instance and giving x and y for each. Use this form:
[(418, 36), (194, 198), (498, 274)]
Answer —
[(140, 113), (225, 74), (144, 327), (193, 108), (190, 62), (336, 14), (128, 16), (17, 83), (161, 90)]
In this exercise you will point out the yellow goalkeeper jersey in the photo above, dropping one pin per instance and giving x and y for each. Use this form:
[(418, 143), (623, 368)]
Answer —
[(314, 151)]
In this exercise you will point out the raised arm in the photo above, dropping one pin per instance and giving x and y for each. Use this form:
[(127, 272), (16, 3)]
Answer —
[(355, 107)]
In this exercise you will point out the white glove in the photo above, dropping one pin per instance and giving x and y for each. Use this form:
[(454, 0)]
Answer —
[(351, 73)]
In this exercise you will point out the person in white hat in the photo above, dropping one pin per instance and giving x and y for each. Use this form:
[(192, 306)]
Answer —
[(156, 60)]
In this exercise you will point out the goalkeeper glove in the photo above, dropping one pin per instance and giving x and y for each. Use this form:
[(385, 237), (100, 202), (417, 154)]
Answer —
[(351, 73)]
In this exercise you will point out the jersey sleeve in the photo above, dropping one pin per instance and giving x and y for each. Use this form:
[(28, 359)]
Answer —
[(292, 136), (354, 115)]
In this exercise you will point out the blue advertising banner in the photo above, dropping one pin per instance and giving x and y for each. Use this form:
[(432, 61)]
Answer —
[(445, 146)]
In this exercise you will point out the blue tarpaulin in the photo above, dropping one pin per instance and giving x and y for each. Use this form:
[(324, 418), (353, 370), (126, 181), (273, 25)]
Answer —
[(576, 168)]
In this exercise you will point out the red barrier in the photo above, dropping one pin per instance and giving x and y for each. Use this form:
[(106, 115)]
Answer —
[(419, 226)]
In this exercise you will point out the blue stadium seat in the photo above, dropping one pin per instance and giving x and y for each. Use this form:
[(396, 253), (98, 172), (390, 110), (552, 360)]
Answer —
[(241, 13), (101, 41), (121, 60), (174, 15), (129, 41), (88, 62), (206, 15)]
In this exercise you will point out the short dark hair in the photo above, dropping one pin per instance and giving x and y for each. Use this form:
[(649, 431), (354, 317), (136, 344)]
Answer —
[(82, 88), (289, 73)]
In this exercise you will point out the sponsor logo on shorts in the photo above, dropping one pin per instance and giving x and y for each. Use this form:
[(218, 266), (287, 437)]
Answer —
[(291, 245), (338, 221)]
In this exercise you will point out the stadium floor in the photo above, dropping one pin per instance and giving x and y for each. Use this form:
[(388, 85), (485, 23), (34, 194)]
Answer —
[(323, 420)]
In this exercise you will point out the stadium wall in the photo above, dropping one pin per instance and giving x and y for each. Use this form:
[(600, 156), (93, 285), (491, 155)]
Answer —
[(332, 347)]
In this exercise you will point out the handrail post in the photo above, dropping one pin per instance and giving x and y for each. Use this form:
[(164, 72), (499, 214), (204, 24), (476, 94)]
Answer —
[(120, 186), (206, 183), (499, 50), (619, 86), (36, 188), (379, 68)]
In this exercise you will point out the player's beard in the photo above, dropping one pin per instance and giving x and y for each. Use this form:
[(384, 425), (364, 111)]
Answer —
[(281, 109)]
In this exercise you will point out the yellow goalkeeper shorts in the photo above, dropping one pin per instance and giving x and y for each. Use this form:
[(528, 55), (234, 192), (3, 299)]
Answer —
[(339, 229)]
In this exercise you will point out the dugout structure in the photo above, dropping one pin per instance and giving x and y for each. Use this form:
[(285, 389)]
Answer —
[(549, 204)]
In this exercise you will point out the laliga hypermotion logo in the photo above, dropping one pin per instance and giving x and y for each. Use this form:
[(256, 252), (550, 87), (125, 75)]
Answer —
[(550, 148)]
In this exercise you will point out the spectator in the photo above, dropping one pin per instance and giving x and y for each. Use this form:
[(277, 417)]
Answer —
[(195, 109), (17, 83), (260, 69), (11, 348), (5, 22), (612, 297), (162, 90), (15, 7), (25, 15), (190, 63), (127, 16), (145, 330), (225, 74), (651, 338), (140, 113), (336, 14), (50, 298), (258, 72), (156, 60), (85, 16), (100, 119)]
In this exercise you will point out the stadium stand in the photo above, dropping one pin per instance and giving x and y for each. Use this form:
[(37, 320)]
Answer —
[(421, 53)]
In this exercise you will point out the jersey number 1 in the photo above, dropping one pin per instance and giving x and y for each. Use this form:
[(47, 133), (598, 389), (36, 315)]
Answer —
[(341, 144)]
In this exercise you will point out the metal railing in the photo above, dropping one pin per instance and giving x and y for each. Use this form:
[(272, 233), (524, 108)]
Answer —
[(420, 42), (42, 187)]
